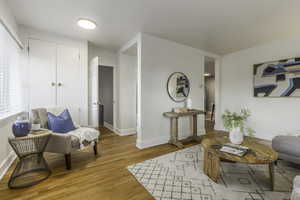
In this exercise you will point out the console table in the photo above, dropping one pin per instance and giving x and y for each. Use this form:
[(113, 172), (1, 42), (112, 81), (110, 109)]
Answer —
[(193, 113)]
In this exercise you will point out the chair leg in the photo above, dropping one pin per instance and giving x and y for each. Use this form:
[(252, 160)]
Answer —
[(96, 148), (68, 161)]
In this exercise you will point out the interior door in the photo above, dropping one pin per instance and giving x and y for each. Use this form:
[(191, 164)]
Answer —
[(42, 74), (94, 92), (68, 77)]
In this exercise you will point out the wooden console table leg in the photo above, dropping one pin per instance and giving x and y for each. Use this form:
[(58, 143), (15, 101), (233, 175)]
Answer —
[(272, 175), (174, 133), (211, 166), (195, 128)]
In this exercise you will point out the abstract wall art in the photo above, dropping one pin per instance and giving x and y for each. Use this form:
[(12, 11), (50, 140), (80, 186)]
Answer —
[(277, 79)]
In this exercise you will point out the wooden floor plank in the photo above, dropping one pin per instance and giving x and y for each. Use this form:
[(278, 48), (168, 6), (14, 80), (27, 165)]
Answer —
[(92, 177)]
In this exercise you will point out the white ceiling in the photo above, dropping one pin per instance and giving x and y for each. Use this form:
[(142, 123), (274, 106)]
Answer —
[(218, 26)]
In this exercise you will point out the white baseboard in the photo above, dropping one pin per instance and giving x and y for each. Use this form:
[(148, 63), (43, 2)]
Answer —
[(109, 126), (162, 140), (6, 163), (153, 142), (124, 132), (120, 132)]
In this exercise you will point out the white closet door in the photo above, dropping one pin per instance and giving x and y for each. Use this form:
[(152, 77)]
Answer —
[(68, 77), (42, 74)]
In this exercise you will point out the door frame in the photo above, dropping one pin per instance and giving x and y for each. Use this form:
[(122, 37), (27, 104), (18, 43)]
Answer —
[(111, 127), (217, 66), (207, 107), (90, 90)]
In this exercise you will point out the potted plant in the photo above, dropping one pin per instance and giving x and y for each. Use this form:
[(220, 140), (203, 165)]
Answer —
[(235, 123)]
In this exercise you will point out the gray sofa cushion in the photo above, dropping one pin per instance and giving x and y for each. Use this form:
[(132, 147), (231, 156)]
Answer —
[(287, 144), (288, 157)]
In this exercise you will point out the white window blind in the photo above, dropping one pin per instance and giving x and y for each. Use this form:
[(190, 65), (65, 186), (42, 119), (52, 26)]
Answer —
[(10, 79)]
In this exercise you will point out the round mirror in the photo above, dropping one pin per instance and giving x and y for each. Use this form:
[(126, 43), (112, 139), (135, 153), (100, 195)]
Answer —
[(178, 86)]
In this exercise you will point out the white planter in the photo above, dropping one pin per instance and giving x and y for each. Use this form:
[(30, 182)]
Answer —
[(236, 136)]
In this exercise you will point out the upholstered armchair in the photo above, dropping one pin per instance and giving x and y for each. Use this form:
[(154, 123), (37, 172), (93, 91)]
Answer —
[(63, 143)]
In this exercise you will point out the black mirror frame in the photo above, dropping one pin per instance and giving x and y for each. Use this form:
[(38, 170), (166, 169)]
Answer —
[(188, 90)]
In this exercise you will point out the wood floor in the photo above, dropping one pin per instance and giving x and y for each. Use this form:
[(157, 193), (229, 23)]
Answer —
[(103, 177)]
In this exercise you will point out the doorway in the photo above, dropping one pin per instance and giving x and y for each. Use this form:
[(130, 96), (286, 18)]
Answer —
[(106, 92), (209, 82), (128, 91), (101, 95)]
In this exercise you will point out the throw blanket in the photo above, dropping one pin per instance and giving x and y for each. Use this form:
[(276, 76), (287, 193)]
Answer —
[(87, 136)]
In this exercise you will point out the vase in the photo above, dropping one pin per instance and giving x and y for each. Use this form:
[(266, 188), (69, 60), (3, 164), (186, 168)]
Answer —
[(21, 128), (236, 136)]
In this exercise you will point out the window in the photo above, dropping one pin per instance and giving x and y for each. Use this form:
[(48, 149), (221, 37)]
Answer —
[(10, 79)]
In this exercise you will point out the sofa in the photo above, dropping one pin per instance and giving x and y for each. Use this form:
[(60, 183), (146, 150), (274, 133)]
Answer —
[(296, 189), (287, 148), (63, 143)]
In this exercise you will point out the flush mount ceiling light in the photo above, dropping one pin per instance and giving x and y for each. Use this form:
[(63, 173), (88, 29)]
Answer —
[(86, 24)]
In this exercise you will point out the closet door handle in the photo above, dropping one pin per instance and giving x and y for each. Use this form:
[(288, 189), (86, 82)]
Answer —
[(53, 84), (59, 84)]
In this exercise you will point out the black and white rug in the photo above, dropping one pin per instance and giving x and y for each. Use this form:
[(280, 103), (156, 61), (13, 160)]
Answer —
[(179, 175)]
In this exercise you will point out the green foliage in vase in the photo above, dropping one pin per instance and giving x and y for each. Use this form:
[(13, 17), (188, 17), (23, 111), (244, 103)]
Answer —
[(237, 120)]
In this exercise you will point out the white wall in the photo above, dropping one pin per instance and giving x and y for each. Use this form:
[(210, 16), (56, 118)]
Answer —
[(6, 153), (82, 45), (159, 59), (106, 57), (270, 116), (8, 18), (127, 119)]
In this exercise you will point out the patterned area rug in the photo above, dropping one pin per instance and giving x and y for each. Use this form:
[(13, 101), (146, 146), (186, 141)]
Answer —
[(179, 175)]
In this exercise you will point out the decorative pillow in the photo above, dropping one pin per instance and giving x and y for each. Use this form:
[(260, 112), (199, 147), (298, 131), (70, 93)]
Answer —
[(62, 123)]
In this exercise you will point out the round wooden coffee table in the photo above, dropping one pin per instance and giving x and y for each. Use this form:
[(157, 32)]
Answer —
[(259, 153)]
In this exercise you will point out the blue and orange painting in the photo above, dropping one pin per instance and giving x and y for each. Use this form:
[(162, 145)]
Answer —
[(277, 79)]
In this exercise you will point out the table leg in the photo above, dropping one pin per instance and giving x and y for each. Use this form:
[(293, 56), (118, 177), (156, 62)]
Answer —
[(211, 166), (195, 129), (174, 133), (272, 175)]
